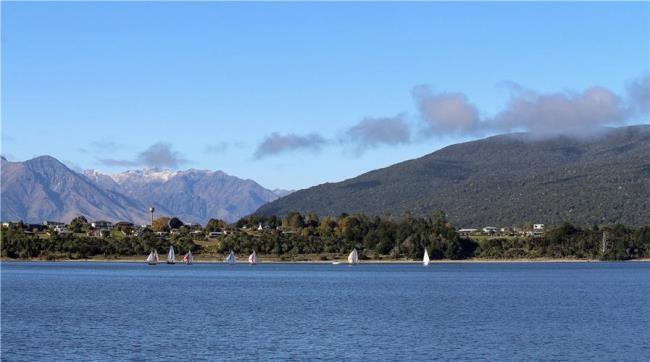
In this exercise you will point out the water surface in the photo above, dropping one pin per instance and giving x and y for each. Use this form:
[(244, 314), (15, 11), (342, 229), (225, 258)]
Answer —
[(515, 311)]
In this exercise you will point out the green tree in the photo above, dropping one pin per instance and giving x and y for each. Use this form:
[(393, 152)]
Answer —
[(175, 223), (79, 224), (161, 224), (215, 225)]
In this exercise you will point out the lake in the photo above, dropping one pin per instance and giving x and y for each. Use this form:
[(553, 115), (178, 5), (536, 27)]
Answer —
[(494, 311)]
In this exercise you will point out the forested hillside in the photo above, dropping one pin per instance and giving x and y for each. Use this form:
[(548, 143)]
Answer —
[(503, 181)]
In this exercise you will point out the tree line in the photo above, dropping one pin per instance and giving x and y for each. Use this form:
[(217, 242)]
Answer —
[(373, 236)]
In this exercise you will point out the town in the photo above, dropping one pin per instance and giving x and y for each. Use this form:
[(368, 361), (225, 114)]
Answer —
[(166, 226), (298, 237)]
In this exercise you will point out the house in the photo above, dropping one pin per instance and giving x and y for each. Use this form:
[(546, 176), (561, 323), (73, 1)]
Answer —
[(102, 228), (214, 234), (490, 230), (193, 226), (101, 224), (538, 231), (59, 229), (51, 224), (467, 232), (260, 228), (175, 232)]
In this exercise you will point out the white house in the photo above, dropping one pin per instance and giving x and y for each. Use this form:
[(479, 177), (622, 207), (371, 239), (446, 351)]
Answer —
[(466, 232), (490, 229)]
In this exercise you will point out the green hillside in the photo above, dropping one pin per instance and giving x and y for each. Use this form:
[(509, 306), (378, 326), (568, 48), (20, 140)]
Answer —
[(503, 180)]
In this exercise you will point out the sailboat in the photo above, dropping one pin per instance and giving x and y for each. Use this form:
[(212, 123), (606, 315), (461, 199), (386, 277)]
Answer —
[(152, 259), (425, 259), (188, 258), (171, 256), (353, 258), (231, 258), (253, 258)]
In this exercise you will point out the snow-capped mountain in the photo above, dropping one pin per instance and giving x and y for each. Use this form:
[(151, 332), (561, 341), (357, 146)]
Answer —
[(45, 189), (193, 195)]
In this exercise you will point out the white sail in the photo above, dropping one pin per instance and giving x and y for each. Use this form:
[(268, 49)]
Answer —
[(353, 258), (231, 259), (425, 259), (188, 258), (171, 256), (155, 255), (253, 258), (151, 259)]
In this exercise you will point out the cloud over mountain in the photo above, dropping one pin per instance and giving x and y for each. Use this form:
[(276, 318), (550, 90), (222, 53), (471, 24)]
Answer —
[(442, 114), (279, 143), (158, 155), (561, 112), (373, 132), (445, 113)]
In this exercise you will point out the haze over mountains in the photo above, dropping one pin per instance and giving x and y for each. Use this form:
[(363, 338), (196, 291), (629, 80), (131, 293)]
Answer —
[(504, 181), (45, 189)]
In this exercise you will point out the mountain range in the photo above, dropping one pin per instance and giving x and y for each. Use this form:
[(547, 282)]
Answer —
[(503, 180), (43, 188)]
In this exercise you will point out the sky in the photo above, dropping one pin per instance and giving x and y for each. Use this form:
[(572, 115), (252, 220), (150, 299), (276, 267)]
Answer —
[(296, 94)]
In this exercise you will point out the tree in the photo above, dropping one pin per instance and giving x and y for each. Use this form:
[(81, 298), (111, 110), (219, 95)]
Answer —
[(215, 225), (175, 223), (79, 224), (294, 221), (161, 224)]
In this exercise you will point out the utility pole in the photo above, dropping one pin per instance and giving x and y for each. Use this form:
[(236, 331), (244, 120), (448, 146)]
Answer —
[(151, 210)]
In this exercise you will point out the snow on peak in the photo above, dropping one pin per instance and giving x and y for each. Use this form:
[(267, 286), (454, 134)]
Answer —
[(145, 175)]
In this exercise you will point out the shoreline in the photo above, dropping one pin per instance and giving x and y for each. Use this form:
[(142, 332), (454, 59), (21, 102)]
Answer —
[(326, 262)]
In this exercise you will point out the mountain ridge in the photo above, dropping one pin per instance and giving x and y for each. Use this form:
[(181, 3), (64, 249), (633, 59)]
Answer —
[(44, 188), (508, 179)]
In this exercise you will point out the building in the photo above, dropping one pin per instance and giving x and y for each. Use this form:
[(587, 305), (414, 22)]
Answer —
[(490, 230), (101, 224), (193, 226), (467, 232), (51, 224), (61, 229), (102, 228)]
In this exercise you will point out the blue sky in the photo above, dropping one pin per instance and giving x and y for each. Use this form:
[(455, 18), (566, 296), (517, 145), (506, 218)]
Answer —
[(297, 94)]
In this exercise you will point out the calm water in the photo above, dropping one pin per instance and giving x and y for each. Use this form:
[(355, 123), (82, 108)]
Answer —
[(91, 311)]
